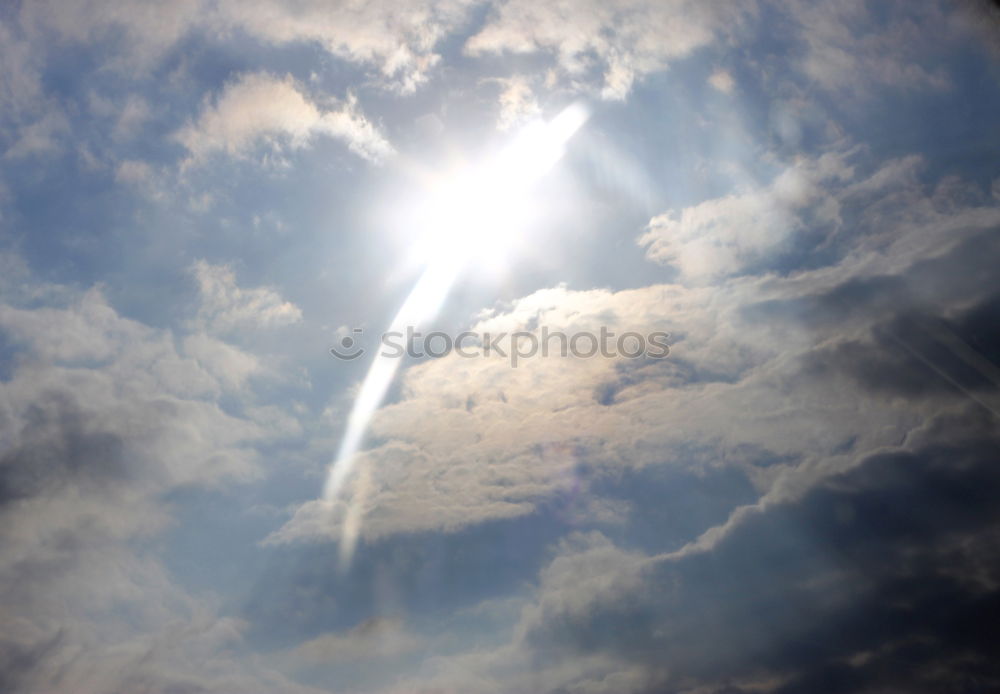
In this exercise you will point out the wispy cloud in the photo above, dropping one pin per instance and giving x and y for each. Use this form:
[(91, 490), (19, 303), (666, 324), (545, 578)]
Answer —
[(260, 109)]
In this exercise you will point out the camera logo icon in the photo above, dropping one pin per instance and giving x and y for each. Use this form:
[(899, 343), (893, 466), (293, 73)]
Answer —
[(349, 348)]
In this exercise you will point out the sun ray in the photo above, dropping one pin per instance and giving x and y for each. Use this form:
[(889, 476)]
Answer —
[(469, 217)]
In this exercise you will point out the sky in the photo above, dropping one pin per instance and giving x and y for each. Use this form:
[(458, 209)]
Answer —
[(200, 199)]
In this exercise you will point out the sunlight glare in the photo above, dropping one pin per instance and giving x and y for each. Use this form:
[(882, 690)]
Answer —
[(471, 217)]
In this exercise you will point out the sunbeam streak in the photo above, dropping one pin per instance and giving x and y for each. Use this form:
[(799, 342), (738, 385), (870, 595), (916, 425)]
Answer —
[(471, 217)]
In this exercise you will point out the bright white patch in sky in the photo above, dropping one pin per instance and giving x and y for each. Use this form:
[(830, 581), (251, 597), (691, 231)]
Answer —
[(468, 218)]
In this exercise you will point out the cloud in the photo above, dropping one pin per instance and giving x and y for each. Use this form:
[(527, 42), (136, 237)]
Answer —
[(398, 40), (724, 236), (850, 50), (22, 88), (138, 33), (130, 379), (134, 172), (101, 418), (876, 577), (741, 374), (606, 45), (517, 102), (260, 108), (722, 80), (375, 638), (228, 364), (134, 114), (856, 572), (799, 498), (226, 307), (803, 210), (39, 137), (31, 122)]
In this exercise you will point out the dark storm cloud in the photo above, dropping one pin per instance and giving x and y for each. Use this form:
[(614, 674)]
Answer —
[(882, 576), (930, 285), (921, 356)]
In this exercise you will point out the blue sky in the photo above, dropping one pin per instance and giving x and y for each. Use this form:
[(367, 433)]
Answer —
[(199, 199)]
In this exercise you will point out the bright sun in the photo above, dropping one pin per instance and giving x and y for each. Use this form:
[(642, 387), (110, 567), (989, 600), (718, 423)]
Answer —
[(473, 217)]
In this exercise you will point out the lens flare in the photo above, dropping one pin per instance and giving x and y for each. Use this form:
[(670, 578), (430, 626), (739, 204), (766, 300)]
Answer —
[(469, 218)]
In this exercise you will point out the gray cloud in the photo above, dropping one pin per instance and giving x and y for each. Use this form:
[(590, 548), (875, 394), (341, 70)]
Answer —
[(98, 424)]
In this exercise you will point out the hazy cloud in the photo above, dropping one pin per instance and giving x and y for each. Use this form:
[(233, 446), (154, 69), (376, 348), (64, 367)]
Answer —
[(225, 306), (261, 108), (606, 45)]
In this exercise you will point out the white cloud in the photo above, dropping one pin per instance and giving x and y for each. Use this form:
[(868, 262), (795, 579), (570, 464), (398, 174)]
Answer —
[(375, 638), (448, 459), (228, 364), (134, 172), (445, 458), (398, 39), (517, 102), (723, 236), (21, 88), (258, 108), (622, 41), (40, 136), (100, 418), (722, 80), (848, 52), (226, 307)]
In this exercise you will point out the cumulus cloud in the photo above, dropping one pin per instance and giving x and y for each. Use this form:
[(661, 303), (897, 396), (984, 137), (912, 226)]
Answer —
[(722, 80), (877, 575), (517, 102), (801, 209), (101, 417), (721, 237), (737, 380), (127, 376), (260, 108), (844, 574)]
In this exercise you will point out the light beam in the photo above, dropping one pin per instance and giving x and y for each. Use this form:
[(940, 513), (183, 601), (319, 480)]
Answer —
[(471, 217)]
